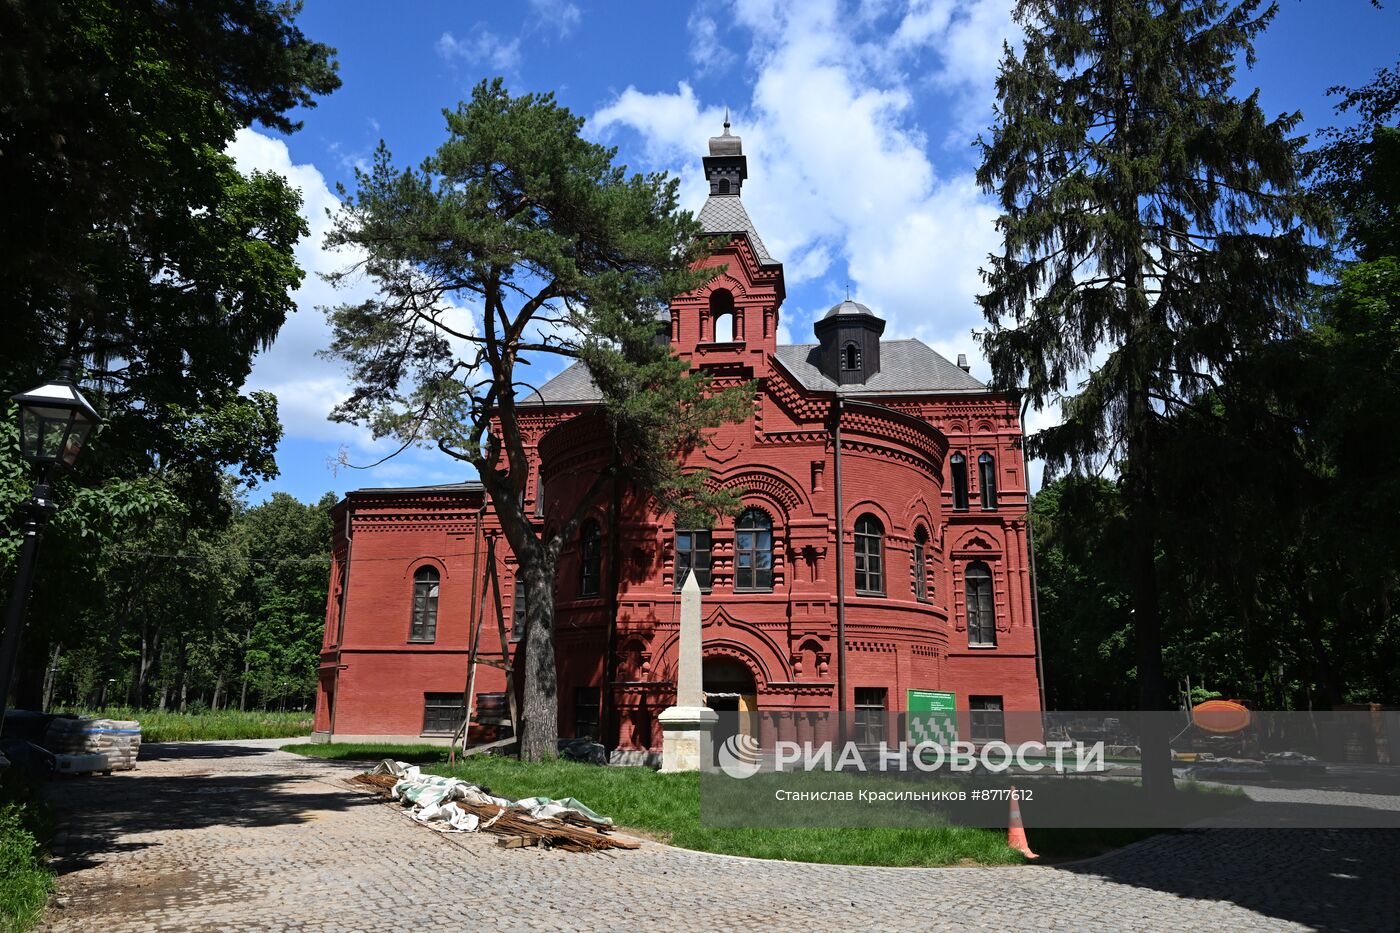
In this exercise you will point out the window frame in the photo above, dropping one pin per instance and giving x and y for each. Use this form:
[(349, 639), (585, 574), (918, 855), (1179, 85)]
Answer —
[(754, 552), (919, 564), (423, 612), (986, 718), (869, 715), (984, 622), (957, 469), (706, 574), (850, 357), (590, 559), (595, 694), (451, 702), (987, 480), (865, 554), (518, 609)]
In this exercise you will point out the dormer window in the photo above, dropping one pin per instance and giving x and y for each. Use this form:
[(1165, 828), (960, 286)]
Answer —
[(850, 358)]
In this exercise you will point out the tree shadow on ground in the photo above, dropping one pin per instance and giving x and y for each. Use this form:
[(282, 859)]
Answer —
[(1340, 880), (100, 816)]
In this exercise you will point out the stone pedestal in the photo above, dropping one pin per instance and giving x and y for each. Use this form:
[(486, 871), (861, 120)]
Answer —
[(687, 726), (686, 738)]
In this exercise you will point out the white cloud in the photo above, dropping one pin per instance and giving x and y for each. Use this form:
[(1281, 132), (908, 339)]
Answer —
[(308, 387), (485, 49), (561, 14), (839, 167), (706, 51)]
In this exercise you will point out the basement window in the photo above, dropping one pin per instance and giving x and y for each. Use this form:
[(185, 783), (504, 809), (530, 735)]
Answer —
[(442, 713)]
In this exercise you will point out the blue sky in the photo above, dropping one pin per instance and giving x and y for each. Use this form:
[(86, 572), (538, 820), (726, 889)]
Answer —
[(857, 119)]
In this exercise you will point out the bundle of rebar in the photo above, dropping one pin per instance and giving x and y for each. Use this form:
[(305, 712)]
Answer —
[(572, 832)]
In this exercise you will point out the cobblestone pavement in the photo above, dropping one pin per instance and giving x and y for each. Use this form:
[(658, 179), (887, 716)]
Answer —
[(239, 836)]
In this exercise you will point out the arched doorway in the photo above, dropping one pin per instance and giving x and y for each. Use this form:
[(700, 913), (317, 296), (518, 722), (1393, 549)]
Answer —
[(729, 689)]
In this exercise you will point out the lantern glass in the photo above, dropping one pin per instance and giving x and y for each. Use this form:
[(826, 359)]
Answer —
[(54, 422), (44, 432)]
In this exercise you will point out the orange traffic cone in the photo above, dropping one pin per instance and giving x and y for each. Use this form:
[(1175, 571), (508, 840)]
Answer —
[(1015, 831)]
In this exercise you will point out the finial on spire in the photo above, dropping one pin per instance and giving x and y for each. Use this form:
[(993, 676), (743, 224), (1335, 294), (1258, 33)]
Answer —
[(726, 119)]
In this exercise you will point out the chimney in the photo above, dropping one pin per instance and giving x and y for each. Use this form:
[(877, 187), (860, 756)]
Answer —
[(962, 363)]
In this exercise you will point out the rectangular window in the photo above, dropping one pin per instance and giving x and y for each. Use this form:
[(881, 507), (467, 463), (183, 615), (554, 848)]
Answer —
[(959, 471), (586, 703), (870, 715), (693, 553), (539, 491), (517, 611), (988, 720), (442, 713)]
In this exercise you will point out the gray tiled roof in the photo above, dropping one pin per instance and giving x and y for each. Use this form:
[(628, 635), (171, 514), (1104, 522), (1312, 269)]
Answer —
[(906, 367), (572, 386), (724, 213), (470, 485)]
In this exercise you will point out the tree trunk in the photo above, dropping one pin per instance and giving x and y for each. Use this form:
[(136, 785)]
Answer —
[(1157, 781), (539, 712), (183, 655), (218, 693), (243, 694), (150, 646), (50, 676)]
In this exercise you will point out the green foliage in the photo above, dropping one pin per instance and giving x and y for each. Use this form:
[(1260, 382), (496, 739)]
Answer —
[(1154, 223), (25, 826), (130, 240), (207, 726), (1082, 586), (516, 241)]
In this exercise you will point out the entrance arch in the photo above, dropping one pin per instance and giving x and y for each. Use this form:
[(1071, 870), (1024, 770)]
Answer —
[(730, 689)]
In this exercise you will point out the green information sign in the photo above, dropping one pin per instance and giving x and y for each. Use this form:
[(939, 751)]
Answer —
[(932, 717)]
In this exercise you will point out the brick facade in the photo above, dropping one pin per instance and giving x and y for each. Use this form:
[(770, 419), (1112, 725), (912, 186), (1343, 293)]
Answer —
[(776, 648)]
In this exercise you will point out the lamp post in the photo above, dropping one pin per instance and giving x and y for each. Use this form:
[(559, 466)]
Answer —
[(54, 423)]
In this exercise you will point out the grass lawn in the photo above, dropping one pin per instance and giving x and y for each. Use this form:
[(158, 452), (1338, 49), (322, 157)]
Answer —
[(194, 727), (667, 807), (25, 825)]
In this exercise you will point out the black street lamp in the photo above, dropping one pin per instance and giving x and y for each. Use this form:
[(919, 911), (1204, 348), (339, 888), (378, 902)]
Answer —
[(54, 423)]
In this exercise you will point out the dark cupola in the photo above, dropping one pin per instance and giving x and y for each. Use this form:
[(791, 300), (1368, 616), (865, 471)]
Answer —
[(725, 166), (850, 343)]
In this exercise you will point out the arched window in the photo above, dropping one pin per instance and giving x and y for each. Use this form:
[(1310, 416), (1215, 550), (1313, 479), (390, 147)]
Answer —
[(590, 559), (693, 555), (987, 479), (920, 564), (753, 552), (870, 556), (722, 315), (958, 467), (425, 605), (724, 186), (981, 610), (850, 357)]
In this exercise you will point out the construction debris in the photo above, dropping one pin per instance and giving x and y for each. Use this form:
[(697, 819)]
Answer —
[(452, 805)]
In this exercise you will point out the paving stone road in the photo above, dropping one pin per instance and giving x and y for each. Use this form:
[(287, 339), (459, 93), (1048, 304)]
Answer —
[(240, 836)]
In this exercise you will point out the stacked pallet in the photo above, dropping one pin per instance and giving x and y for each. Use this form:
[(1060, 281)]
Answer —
[(117, 741)]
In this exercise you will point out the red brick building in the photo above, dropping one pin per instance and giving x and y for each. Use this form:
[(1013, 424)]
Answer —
[(911, 526)]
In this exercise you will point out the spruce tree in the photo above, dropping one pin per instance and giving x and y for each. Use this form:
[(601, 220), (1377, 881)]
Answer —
[(1154, 228), (518, 241)]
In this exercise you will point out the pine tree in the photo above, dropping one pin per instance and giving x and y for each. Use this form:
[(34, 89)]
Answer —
[(554, 252), (1154, 227)]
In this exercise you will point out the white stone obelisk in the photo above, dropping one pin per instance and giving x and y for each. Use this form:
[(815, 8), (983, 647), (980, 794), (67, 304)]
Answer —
[(688, 726)]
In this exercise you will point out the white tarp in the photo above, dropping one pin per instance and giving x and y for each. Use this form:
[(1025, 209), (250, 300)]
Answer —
[(432, 798)]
